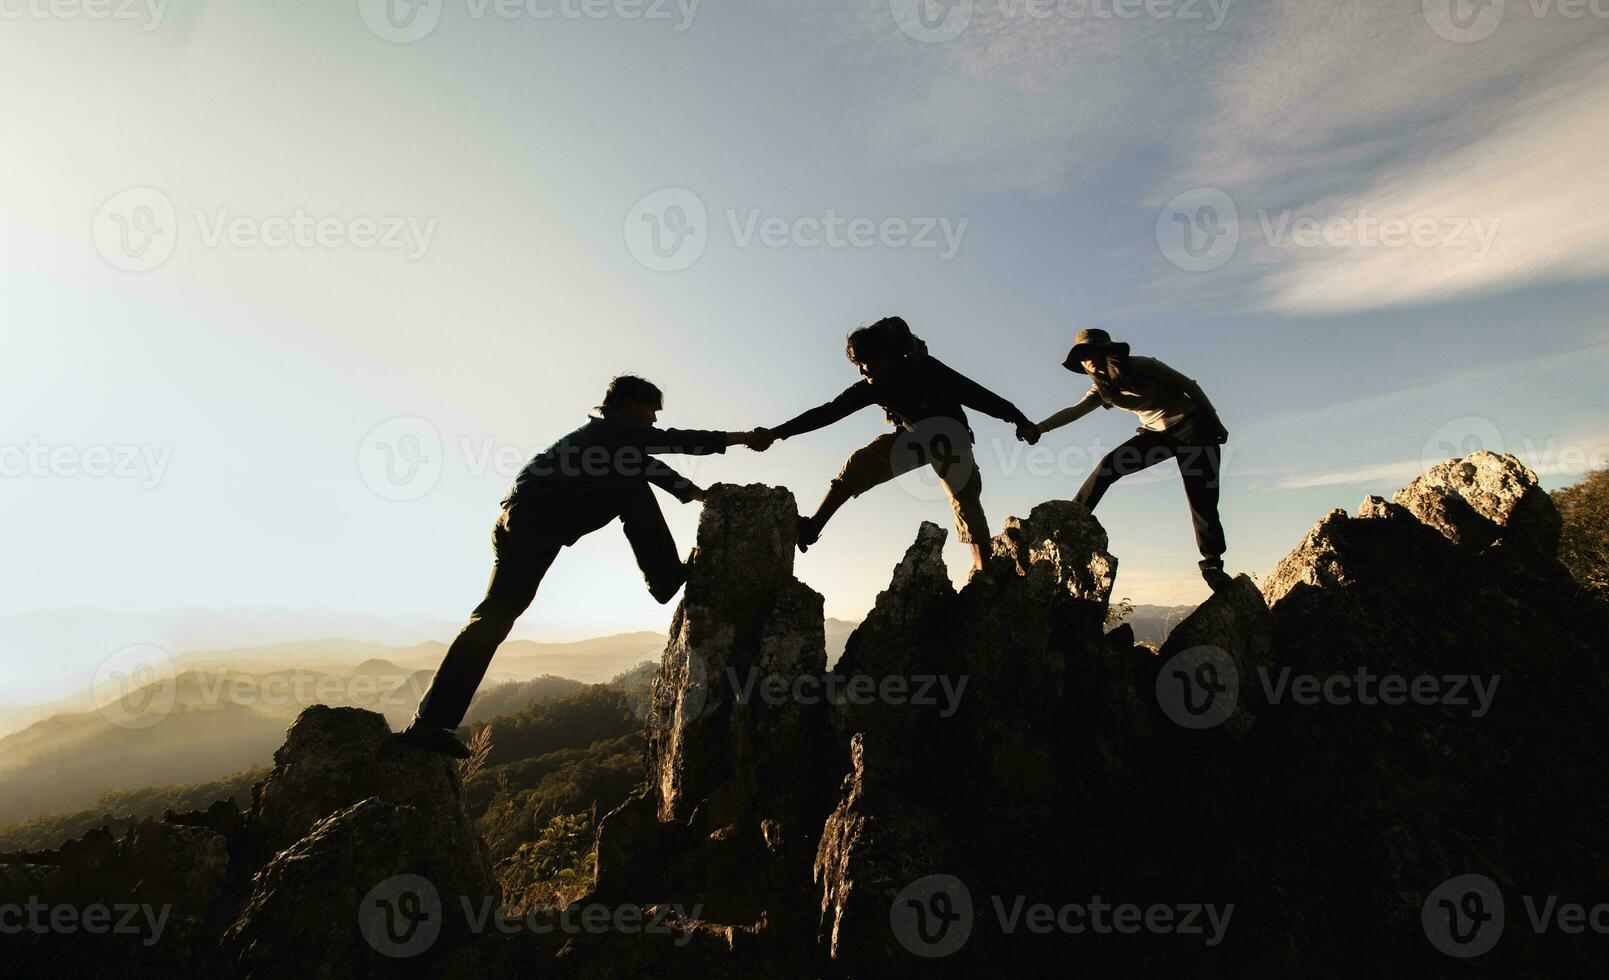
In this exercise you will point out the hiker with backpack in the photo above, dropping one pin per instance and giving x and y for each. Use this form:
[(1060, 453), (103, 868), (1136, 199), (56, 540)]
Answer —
[(924, 400), (603, 471), (1177, 422)]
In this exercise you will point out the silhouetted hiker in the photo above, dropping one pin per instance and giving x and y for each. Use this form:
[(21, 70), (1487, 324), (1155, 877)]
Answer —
[(1177, 422), (597, 473), (924, 399)]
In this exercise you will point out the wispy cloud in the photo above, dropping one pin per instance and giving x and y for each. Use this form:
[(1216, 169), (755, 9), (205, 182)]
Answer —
[(1304, 108), (1535, 188), (1403, 471)]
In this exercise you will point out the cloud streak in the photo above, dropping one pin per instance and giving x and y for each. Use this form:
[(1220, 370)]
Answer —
[(1301, 108)]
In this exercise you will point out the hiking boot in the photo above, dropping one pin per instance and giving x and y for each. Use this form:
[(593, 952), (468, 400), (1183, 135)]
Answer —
[(438, 740), (1217, 579), (809, 533)]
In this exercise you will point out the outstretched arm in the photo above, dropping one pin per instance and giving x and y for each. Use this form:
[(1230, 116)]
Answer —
[(974, 395), (662, 476), (1073, 413), (853, 399), (681, 442)]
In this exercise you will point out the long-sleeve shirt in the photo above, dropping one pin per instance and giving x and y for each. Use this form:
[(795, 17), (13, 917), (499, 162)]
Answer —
[(922, 388), (606, 450)]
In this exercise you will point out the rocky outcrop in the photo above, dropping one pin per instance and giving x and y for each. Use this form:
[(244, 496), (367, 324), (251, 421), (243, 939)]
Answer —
[(279, 890), (1075, 764), (1409, 697), (739, 738), (1486, 502)]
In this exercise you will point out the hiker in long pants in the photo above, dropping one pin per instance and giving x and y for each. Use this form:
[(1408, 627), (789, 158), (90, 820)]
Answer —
[(924, 400), (1176, 422), (599, 472)]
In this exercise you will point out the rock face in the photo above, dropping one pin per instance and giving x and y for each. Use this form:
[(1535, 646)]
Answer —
[(990, 781), (278, 890), (1071, 765), (739, 765), (1486, 502)]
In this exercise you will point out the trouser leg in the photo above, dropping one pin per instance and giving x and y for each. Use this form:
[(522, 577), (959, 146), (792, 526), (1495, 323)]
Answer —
[(513, 585), (869, 466), (1142, 451), (1199, 467), (964, 485), (651, 541)]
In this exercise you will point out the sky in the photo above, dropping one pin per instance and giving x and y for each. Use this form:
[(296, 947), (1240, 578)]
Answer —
[(290, 291)]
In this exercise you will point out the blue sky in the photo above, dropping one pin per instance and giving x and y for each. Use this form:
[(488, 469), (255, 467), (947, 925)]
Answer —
[(1370, 231)]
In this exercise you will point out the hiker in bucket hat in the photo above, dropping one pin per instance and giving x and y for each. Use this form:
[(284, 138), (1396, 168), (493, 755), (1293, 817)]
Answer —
[(1176, 422)]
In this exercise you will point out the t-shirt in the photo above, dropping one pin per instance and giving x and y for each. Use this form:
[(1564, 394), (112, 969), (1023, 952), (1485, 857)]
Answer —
[(1151, 390)]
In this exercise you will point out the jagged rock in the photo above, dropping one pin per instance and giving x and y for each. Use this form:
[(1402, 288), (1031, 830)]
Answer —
[(1486, 501), (1062, 544), (874, 844), (743, 618), (740, 769), (157, 863), (1423, 790), (972, 786), (1231, 637), (319, 907)]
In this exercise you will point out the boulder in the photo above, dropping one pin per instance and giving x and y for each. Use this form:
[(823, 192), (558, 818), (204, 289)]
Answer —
[(1486, 502)]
